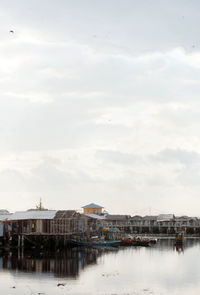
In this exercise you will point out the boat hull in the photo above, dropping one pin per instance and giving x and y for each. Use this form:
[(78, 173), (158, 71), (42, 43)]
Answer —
[(135, 243), (77, 243)]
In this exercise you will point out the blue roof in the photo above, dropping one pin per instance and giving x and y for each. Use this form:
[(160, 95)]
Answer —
[(93, 206)]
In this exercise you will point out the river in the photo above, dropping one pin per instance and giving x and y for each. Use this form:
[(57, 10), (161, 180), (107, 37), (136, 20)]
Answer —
[(160, 269)]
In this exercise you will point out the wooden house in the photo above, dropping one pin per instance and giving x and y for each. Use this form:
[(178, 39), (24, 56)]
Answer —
[(92, 209), (113, 220), (46, 222)]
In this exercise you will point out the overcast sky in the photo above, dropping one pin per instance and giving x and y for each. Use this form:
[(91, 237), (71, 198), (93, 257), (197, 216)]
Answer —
[(100, 102)]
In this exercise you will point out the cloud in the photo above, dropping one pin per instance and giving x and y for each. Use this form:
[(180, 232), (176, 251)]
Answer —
[(98, 106), (178, 156)]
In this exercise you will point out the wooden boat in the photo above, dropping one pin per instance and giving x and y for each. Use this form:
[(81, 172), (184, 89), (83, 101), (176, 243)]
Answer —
[(153, 240), (79, 243), (113, 243), (135, 241), (179, 238)]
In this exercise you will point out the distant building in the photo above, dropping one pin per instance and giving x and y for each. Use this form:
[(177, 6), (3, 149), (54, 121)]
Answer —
[(165, 217), (54, 222), (92, 209), (117, 220), (4, 211)]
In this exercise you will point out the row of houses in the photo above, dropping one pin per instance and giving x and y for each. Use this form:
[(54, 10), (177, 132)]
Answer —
[(163, 223), (90, 222)]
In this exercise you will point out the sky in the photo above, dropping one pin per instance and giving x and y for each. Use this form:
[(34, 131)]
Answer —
[(99, 102)]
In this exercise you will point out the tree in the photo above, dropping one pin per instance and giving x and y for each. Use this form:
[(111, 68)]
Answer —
[(40, 206)]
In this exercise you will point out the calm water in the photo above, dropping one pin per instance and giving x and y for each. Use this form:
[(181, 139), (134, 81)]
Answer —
[(160, 269)]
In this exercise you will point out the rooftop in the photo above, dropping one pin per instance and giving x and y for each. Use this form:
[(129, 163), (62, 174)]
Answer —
[(36, 214), (93, 206), (95, 216), (4, 211), (150, 217), (165, 217), (116, 217), (4, 217)]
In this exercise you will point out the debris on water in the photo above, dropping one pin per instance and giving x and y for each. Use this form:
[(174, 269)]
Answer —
[(60, 284), (116, 273)]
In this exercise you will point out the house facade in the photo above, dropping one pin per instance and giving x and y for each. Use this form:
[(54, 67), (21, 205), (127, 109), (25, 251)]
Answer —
[(46, 222), (92, 209)]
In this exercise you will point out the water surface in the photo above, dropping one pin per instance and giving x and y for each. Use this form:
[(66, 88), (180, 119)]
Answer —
[(160, 269)]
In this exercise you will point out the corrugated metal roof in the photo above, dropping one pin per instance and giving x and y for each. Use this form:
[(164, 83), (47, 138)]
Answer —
[(4, 216), (150, 217), (117, 217), (95, 216), (165, 217), (36, 214), (137, 217), (93, 206)]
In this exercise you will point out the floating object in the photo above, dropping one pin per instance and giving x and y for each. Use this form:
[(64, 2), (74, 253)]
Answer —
[(60, 284), (179, 238), (153, 240), (135, 241), (99, 243)]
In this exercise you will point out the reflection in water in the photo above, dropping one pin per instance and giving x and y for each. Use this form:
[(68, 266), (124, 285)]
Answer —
[(161, 269), (69, 263), (179, 248), (169, 245), (62, 264)]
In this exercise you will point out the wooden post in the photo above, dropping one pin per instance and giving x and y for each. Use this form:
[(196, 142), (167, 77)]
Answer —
[(19, 241), (22, 240)]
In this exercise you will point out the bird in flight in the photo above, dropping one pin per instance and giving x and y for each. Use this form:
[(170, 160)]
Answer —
[(11, 31)]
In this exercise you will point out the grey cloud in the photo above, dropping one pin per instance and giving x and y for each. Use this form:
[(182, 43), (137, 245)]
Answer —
[(12, 181), (47, 175), (177, 155), (117, 157), (113, 86), (136, 25)]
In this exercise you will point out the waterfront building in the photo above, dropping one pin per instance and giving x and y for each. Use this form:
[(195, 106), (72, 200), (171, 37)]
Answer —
[(92, 209), (54, 222), (4, 214), (117, 220)]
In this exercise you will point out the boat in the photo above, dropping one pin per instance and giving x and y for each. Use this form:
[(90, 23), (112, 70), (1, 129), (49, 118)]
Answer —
[(179, 238), (153, 240), (135, 241), (100, 243), (113, 243)]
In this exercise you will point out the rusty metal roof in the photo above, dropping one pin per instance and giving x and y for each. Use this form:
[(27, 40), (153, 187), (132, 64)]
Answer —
[(60, 214)]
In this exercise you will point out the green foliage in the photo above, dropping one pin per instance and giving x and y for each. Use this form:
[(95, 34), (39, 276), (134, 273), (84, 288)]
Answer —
[(39, 206)]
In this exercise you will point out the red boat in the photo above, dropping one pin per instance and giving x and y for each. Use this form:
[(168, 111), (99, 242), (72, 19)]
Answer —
[(135, 241)]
